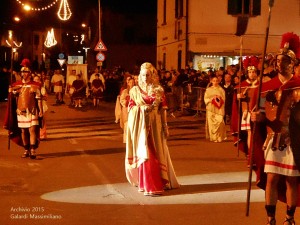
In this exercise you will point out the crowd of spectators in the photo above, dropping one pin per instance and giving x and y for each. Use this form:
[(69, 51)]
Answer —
[(184, 87)]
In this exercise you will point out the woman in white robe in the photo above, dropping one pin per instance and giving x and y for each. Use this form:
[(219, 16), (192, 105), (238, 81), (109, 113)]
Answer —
[(148, 164), (214, 99)]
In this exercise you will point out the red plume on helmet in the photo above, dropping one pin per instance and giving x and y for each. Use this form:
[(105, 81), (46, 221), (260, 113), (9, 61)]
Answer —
[(250, 62), (290, 45), (25, 62)]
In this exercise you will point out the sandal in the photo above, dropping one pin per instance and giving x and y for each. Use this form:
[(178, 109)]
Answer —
[(271, 221), (25, 154), (32, 154), (289, 221)]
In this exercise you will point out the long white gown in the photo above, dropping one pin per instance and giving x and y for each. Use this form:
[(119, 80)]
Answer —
[(214, 99)]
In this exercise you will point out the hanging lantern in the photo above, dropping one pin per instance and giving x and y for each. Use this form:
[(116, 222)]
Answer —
[(50, 39), (64, 12)]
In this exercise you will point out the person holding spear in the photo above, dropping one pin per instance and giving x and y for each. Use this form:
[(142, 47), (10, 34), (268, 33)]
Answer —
[(242, 102), (25, 111), (279, 113)]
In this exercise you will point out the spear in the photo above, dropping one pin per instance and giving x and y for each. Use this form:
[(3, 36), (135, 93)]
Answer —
[(242, 23), (239, 100), (9, 94), (271, 3), (9, 112)]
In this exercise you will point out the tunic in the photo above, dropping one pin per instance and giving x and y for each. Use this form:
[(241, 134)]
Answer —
[(281, 153), (79, 89), (27, 95), (97, 88), (58, 80), (278, 104)]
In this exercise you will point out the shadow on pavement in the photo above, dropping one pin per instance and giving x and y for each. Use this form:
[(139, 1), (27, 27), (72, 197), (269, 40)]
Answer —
[(84, 152)]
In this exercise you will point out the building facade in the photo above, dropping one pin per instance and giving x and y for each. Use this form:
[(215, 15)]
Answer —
[(201, 34)]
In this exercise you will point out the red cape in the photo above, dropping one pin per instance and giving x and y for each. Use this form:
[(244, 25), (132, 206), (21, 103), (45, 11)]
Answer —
[(11, 122), (10, 119)]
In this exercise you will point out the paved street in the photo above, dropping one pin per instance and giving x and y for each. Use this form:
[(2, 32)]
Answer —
[(78, 177)]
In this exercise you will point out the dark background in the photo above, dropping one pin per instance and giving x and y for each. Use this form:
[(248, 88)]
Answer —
[(128, 27), (80, 10)]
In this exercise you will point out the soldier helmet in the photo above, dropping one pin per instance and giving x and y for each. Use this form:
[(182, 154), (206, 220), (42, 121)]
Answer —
[(25, 69), (290, 46), (25, 65), (251, 63)]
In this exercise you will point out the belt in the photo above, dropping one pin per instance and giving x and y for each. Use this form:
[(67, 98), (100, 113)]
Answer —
[(280, 141)]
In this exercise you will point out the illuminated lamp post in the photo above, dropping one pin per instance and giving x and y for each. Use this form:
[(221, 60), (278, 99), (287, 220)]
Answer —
[(99, 8), (13, 45)]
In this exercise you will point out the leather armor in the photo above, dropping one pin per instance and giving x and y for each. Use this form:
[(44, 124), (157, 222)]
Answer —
[(27, 94), (278, 108), (248, 92)]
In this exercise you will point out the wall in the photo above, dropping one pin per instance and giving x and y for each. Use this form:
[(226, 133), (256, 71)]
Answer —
[(212, 31)]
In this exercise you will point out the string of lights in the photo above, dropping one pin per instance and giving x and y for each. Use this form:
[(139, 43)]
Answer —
[(15, 43), (64, 11), (28, 7)]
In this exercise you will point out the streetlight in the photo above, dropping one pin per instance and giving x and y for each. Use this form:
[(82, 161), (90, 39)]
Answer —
[(17, 19), (85, 39), (13, 45), (86, 51), (99, 9), (27, 7)]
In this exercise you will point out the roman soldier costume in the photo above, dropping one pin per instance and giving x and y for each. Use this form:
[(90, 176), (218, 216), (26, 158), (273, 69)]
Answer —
[(242, 106), (27, 109), (282, 110), (277, 145), (27, 94)]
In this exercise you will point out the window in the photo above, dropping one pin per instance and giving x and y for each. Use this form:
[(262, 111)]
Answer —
[(178, 8), (165, 12), (178, 30), (241, 7)]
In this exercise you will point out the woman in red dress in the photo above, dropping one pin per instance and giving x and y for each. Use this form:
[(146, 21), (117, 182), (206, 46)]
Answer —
[(148, 164)]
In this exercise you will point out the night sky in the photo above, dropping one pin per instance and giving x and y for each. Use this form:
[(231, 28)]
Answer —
[(79, 8), (124, 22)]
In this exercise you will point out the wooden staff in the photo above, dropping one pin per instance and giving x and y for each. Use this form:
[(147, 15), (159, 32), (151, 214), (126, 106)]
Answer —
[(9, 115), (9, 94), (271, 3), (239, 100)]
